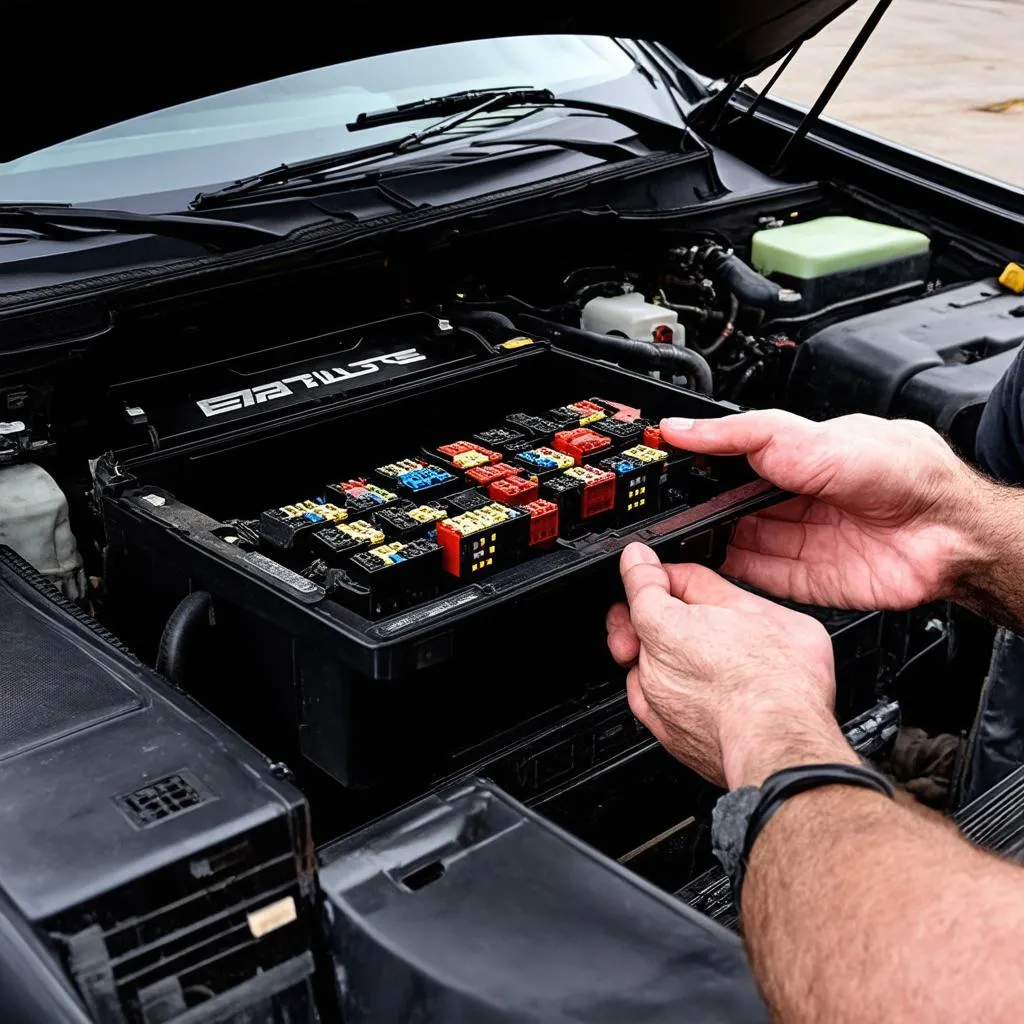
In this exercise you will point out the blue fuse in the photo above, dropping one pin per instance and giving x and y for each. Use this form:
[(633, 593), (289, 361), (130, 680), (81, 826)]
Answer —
[(428, 478)]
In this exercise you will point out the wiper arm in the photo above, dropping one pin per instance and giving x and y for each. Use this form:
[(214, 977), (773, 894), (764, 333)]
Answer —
[(658, 133), (206, 231), (468, 105), (459, 107), (451, 103)]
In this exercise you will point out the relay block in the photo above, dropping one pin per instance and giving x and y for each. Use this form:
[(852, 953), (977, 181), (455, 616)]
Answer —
[(463, 508)]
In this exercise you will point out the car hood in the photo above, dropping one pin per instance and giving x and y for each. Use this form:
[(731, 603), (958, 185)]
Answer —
[(107, 65)]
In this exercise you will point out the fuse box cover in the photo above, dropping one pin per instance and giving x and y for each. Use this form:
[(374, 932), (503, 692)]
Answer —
[(828, 245)]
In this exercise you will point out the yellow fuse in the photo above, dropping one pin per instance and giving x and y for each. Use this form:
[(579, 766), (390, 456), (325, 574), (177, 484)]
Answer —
[(381, 492), (585, 473), (386, 550), (362, 530), (1013, 278), (427, 514), (469, 460), (514, 343), (330, 512), (645, 454), (398, 468)]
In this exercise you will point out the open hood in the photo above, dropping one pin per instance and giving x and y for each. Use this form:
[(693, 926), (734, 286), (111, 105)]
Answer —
[(105, 63)]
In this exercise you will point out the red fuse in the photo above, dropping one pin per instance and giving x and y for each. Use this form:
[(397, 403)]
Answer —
[(580, 443), (652, 437), (543, 521), (495, 471), (352, 485), (514, 490), (598, 489)]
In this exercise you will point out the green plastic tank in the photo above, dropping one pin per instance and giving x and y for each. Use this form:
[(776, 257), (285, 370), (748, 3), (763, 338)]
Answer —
[(834, 259)]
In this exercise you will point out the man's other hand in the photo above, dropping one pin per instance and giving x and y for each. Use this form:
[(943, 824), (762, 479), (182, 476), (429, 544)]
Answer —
[(731, 684), (884, 515)]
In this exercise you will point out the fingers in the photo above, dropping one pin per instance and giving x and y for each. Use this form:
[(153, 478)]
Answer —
[(698, 585), (742, 434), (623, 643), (783, 577), (648, 591)]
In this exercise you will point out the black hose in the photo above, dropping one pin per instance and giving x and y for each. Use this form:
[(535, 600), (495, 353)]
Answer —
[(751, 288), (485, 318), (727, 330), (191, 615), (643, 355)]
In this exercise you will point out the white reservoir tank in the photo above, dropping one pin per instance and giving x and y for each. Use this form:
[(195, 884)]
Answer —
[(34, 522), (632, 316)]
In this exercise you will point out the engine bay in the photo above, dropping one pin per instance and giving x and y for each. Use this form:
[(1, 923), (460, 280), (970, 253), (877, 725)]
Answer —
[(369, 516)]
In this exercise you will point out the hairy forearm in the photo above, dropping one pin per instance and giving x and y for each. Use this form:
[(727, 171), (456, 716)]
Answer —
[(990, 564), (857, 909)]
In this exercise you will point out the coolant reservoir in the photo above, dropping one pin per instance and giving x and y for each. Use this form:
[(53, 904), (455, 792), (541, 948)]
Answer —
[(632, 316), (34, 522)]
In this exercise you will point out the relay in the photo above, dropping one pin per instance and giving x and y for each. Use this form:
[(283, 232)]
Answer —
[(483, 541), (581, 443)]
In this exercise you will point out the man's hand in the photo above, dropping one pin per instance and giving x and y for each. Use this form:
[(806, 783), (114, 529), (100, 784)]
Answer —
[(886, 514), (733, 685)]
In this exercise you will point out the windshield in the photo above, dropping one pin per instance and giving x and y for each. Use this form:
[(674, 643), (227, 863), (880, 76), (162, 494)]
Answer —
[(228, 136)]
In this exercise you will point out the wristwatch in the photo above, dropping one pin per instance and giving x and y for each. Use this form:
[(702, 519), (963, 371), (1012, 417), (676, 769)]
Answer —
[(739, 816)]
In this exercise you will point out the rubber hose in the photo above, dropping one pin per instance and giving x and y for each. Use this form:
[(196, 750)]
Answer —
[(751, 288), (191, 614), (643, 355), (485, 318), (727, 330)]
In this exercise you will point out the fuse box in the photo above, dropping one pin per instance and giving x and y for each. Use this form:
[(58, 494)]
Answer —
[(387, 565)]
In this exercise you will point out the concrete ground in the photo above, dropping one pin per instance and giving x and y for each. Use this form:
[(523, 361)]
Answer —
[(944, 77)]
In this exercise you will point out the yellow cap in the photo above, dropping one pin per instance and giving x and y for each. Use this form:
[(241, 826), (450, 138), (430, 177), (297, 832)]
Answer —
[(1013, 278), (515, 343)]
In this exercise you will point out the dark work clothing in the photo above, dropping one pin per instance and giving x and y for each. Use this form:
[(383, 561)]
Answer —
[(996, 745)]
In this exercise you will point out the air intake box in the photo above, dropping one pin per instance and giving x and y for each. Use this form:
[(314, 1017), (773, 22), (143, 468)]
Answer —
[(166, 872)]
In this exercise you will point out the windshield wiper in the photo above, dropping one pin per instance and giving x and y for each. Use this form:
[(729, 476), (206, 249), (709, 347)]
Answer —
[(455, 109), (658, 133), (206, 231)]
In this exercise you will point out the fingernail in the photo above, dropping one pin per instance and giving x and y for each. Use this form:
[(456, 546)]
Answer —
[(636, 554), (677, 423)]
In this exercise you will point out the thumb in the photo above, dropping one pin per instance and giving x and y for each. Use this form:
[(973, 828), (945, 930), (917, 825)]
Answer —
[(648, 587), (738, 434)]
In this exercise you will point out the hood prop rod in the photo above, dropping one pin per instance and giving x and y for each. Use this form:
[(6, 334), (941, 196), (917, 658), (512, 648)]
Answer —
[(812, 115)]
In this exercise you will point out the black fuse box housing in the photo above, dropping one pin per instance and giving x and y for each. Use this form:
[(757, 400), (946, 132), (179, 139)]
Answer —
[(168, 870), (372, 698)]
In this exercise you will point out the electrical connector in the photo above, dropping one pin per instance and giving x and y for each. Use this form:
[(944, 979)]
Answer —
[(535, 427), (466, 501), (484, 475), (417, 478), (513, 490), (598, 489), (360, 497), (341, 539), (637, 488), (483, 541), (283, 527), (590, 412), (543, 522), (581, 443), (543, 462), (644, 453), (652, 437), (406, 520), (565, 493), (467, 454), (622, 433), (497, 438), (397, 574)]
